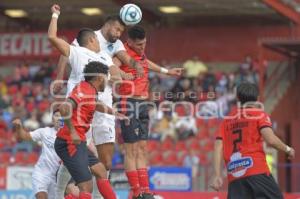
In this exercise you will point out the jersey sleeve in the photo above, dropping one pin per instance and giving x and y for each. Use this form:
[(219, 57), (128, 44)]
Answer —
[(220, 133), (76, 95), (73, 57), (37, 135), (264, 121), (119, 46)]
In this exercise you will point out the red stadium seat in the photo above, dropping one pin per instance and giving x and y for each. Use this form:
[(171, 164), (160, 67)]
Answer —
[(156, 159), (170, 159), (32, 158), (20, 158), (13, 89), (180, 146), (153, 145), (167, 145), (4, 157)]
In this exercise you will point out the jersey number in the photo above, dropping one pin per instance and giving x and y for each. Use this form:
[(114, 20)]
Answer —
[(237, 140)]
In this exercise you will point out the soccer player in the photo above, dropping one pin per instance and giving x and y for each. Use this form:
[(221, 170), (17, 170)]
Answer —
[(135, 135), (78, 56), (69, 153), (240, 144), (44, 174), (104, 125)]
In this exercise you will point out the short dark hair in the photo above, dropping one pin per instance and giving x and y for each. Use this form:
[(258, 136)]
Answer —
[(93, 69), (83, 35), (247, 92), (114, 18), (55, 111), (136, 32)]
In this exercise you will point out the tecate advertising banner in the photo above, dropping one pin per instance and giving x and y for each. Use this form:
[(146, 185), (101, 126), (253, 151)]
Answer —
[(19, 178), (170, 179)]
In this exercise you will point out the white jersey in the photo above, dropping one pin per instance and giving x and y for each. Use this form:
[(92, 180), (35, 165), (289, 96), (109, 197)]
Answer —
[(48, 162)]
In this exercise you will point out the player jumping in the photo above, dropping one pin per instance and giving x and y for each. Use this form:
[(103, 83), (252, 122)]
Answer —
[(135, 135), (240, 144)]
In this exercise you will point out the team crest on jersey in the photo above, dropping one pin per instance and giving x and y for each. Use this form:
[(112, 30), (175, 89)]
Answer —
[(238, 165), (110, 47)]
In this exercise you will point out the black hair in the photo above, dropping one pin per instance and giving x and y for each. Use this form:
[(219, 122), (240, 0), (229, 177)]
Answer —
[(55, 111), (93, 69), (114, 18), (136, 32), (247, 92), (83, 35)]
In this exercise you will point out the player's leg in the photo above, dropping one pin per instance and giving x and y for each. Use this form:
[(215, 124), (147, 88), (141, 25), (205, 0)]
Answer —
[(264, 186), (77, 164), (63, 178), (40, 185), (239, 189), (142, 154), (99, 171), (104, 136), (72, 191), (52, 189)]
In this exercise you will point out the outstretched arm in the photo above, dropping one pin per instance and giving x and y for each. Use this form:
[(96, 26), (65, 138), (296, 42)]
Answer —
[(20, 131), (62, 46), (156, 68), (61, 68)]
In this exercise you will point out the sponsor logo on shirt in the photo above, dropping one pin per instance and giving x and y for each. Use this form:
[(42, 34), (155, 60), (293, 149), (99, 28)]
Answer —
[(239, 165), (110, 47)]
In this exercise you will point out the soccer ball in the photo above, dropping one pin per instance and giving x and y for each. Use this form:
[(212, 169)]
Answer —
[(131, 14)]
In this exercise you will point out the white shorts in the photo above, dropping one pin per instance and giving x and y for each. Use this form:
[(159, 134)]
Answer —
[(103, 129), (43, 183)]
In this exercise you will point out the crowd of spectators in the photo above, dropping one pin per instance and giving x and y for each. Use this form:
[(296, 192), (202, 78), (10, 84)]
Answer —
[(190, 109)]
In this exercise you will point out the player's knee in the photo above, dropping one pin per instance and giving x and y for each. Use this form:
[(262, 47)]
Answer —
[(108, 164), (142, 149), (131, 151), (86, 186), (99, 171)]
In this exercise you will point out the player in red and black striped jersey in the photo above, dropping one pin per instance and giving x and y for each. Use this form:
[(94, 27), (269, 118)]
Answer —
[(240, 143), (133, 102)]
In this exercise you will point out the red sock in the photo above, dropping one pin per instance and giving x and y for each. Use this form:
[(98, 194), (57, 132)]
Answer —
[(133, 179), (70, 196), (105, 189), (85, 195), (144, 180)]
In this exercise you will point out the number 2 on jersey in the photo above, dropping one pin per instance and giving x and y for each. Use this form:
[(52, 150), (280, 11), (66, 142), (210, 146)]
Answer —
[(237, 140)]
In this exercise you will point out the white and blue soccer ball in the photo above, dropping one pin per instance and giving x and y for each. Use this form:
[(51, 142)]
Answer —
[(131, 14)]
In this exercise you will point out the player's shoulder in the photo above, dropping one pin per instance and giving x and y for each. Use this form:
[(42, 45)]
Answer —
[(105, 57)]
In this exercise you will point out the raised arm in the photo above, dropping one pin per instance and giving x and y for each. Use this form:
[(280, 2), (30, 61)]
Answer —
[(276, 143), (20, 131), (62, 46), (156, 68), (61, 68)]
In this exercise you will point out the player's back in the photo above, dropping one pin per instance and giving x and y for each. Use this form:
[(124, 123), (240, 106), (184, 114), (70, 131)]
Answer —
[(242, 142)]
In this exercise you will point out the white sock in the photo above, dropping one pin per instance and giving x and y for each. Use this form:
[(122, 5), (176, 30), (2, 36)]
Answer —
[(63, 178), (96, 194)]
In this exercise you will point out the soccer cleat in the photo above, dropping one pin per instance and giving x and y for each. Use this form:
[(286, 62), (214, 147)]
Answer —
[(148, 196), (140, 196)]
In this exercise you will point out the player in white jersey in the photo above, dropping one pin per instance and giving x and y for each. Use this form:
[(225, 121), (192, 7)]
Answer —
[(44, 174), (79, 56), (104, 124)]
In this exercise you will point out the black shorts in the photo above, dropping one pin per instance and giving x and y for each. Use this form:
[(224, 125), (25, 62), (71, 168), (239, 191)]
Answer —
[(137, 111), (78, 164), (260, 186)]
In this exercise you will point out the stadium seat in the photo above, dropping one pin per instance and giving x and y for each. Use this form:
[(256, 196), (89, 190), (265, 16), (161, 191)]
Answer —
[(20, 158), (156, 159), (153, 145), (13, 89), (167, 145), (4, 157), (170, 158), (32, 158), (180, 146)]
